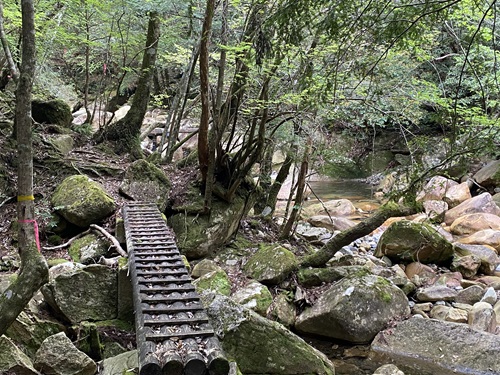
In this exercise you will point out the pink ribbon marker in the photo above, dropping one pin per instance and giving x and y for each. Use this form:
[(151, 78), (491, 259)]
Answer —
[(35, 225)]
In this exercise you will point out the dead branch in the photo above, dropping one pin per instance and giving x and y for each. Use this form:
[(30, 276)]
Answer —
[(111, 238), (66, 244)]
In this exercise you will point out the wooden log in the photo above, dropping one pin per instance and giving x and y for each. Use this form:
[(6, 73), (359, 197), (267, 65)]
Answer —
[(216, 360), (194, 362), (149, 363)]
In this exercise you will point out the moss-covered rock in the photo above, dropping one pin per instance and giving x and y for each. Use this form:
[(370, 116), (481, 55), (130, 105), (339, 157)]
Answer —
[(271, 264), (261, 346), (254, 296), (79, 294), (144, 181), (355, 309), (215, 281), (310, 277), (123, 364), (58, 355), (55, 112), (62, 143), (82, 201), (283, 310), (13, 360), (200, 235), (405, 242), (29, 331), (87, 249), (203, 267)]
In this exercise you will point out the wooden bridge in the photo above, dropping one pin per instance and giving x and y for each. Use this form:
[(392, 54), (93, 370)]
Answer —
[(174, 335)]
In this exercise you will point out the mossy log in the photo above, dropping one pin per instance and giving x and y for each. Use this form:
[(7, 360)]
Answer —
[(365, 227)]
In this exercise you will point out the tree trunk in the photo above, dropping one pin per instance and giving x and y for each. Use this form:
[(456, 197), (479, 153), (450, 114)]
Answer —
[(6, 49), (124, 134), (388, 210), (33, 272), (266, 168), (272, 195), (203, 149), (301, 184)]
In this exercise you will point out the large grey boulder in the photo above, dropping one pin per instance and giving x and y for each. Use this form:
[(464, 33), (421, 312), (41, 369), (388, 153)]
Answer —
[(488, 237), (254, 296), (144, 181), (481, 203), (435, 189), (430, 347), (355, 309), (88, 293), (29, 330), (13, 360), (406, 241), (271, 264), (489, 175), (261, 346), (200, 235), (123, 364), (82, 201), (58, 356), (486, 254)]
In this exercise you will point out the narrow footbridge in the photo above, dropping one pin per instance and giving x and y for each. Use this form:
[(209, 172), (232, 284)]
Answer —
[(174, 335)]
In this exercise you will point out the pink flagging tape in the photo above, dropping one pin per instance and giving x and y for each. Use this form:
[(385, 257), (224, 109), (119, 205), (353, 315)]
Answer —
[(35, 225)]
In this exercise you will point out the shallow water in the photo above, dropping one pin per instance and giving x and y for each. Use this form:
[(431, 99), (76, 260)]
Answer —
[(354, 190)]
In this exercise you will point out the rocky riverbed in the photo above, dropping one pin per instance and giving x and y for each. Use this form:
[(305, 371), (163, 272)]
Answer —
[(419, 295)]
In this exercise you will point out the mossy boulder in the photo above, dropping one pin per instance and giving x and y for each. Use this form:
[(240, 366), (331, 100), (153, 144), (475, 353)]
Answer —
[(87, 249), (58, 355), (200, 235), (254, 296), (203, 267), (271, 264), (55, 112), (29, 331), (13, 360), (123, 364), (82, 201), (261, 346), (309, 277), (406, 242), (216, 281), (144, 181), (355, 309), (86, 293), (62, 143)]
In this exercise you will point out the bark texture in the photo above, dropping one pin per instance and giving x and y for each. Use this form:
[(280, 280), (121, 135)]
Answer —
[(33, 272)]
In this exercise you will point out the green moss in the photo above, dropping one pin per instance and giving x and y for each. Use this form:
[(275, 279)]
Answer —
[(143, 170), (216, 281)]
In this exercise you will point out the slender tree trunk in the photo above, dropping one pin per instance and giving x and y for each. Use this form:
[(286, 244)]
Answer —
[(33, 272), (301, 184), (266, 169), (124, 134), (203, 149), (272, 195), (6, 49)]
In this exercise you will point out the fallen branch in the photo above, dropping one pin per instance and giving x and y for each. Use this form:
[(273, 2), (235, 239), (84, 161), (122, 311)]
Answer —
[(66, 244), (111, 238), (101, 231)]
